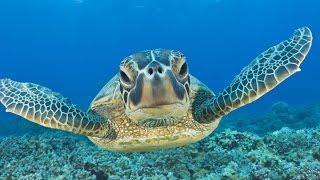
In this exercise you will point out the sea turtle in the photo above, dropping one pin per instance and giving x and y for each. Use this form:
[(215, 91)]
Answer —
[(153, 102)]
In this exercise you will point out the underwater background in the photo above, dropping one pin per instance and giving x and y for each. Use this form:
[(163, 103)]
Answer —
[(75, 46)]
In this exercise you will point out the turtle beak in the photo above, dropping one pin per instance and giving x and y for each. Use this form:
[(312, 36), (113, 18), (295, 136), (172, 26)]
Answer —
[(157, 93), (155, 88)]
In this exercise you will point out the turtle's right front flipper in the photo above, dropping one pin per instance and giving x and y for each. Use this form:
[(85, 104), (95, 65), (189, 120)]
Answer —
[(263, 74), (42, 106)]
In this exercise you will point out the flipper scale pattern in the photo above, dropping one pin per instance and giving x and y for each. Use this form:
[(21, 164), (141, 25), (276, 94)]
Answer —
[(262, 75), (47, 108)]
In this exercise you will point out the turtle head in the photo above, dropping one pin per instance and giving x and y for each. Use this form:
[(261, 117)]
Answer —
[(155, 86)]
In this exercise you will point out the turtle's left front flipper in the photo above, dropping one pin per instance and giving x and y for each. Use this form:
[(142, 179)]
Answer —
[(266, 72), (47, 108)]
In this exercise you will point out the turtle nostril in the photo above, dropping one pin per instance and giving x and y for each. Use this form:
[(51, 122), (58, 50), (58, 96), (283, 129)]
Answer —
[(150, 71), (160, 70)]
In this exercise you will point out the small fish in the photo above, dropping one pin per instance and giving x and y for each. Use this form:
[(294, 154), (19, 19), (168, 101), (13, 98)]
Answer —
[(139, 6), (78, 1)]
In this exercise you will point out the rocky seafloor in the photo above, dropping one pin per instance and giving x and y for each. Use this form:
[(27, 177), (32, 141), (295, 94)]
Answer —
[(282, 144)]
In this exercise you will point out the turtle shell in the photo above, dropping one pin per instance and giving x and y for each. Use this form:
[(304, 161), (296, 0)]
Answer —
[(132, 137)]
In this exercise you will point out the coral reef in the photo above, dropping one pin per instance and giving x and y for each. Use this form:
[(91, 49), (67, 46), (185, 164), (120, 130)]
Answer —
[(281, 115), (287, 153)]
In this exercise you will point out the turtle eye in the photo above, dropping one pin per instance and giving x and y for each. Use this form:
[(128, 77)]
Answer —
[(184, 69), (124, 77)]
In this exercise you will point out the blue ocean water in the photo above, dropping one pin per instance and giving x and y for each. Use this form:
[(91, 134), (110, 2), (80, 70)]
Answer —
[(75, 46)]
